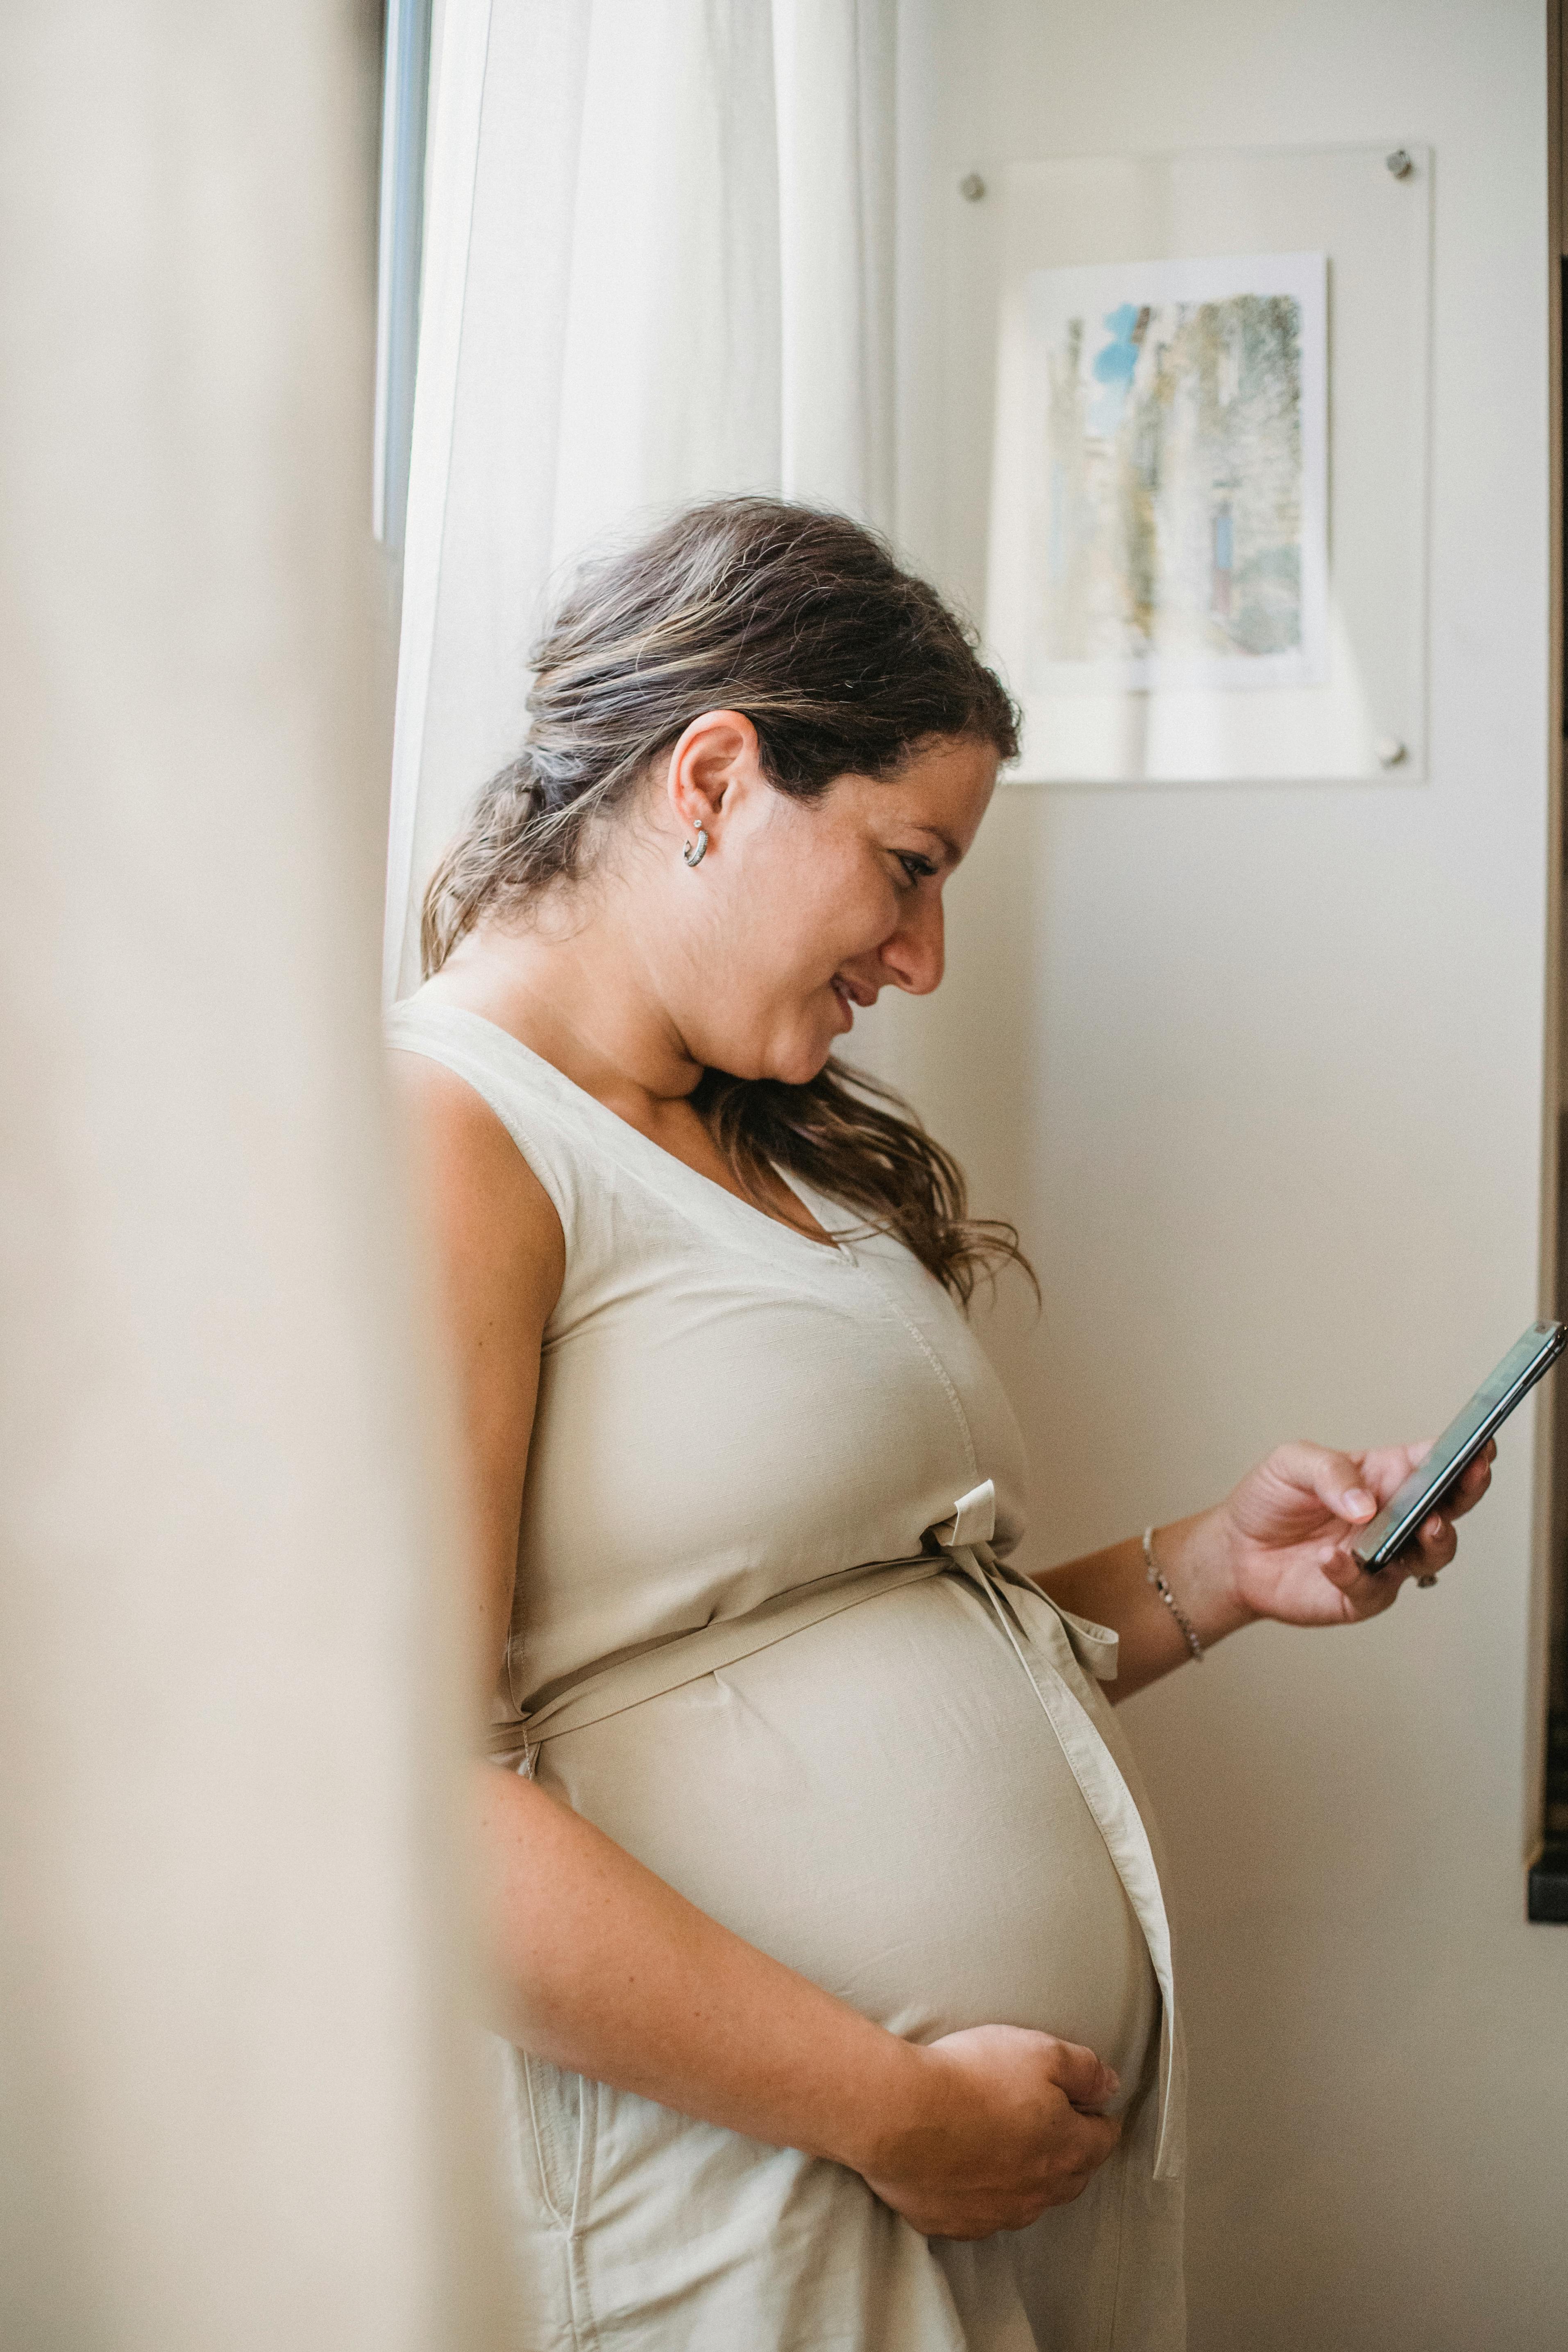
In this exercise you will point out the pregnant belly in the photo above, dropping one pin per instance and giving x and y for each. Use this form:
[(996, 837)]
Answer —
[(879, 1801)]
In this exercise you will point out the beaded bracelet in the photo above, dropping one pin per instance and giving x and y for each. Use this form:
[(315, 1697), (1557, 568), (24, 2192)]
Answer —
[(1169, 1598)]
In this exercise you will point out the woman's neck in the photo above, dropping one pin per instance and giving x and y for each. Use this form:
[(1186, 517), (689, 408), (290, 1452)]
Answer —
[(582, 998), (582, 1001)]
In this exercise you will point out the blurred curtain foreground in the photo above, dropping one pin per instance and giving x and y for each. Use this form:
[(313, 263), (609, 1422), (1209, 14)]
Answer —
[(227, 2108), (658, 265)]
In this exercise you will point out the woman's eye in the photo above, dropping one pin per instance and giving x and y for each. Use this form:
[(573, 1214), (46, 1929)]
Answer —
[(919, 869)]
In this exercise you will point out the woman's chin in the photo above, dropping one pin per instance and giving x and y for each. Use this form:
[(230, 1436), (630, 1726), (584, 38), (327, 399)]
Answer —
[(798, 1069), (793, 1062), (796, 1063), (791, 1050)]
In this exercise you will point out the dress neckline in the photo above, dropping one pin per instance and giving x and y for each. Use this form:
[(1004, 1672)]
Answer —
[(636, 1151)]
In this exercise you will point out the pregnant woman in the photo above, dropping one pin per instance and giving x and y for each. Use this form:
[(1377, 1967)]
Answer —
[(832, 1975)]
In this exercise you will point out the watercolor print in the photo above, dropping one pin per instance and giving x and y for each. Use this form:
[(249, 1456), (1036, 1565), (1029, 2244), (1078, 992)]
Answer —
[(1177, 494)]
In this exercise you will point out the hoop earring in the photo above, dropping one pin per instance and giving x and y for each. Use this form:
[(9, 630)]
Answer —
[(695, 852)]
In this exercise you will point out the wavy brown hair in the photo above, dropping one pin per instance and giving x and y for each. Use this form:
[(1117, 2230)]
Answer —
[(846, 665)]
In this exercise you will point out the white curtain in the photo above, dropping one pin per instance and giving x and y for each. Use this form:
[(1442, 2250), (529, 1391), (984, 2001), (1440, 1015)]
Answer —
[(658, 263)]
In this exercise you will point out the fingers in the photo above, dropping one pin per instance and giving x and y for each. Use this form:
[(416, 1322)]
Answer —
[(1433, 1545), (1365, 1595), (1091, 2140), (1430, 1549), (1436, 1542), (1078, 2073), (1473, 1485)]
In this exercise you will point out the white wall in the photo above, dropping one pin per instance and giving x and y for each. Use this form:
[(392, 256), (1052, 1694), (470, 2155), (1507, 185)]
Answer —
[(226, 2111), (1260, 1073)]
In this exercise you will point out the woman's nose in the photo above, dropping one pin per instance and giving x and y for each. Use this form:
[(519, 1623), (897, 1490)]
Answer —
[(915, 954)]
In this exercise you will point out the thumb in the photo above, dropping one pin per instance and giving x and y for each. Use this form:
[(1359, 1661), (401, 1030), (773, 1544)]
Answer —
[(1078, 2074), (1334, 1479)]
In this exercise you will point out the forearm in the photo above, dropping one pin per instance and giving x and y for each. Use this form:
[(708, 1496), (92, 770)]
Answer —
[(1113, 1588), (601, 1967)]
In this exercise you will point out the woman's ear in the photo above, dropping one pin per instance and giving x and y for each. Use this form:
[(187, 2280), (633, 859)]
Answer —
[(714, 766)]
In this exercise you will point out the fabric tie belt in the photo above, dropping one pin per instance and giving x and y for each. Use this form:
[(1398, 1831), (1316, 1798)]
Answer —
[(1056, 1650)]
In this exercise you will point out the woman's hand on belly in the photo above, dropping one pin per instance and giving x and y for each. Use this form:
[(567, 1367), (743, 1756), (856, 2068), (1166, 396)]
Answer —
[(997, 2128)]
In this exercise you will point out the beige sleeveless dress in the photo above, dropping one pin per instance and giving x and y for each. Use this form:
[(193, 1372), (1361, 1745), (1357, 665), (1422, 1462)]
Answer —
[(765, 1636)]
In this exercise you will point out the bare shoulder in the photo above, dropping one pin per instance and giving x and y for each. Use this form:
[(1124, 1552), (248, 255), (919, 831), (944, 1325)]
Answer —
[(491, 1214), (499, 1259)]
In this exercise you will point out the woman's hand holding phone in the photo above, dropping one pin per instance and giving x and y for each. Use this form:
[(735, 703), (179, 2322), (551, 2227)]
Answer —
[(1289, 1525), (1284, 1543)]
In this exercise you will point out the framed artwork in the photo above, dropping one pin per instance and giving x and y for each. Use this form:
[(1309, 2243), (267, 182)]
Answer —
[(1181, 402)]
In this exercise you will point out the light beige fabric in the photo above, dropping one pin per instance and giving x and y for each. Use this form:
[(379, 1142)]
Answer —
[(766, 1637), (232, 2117)]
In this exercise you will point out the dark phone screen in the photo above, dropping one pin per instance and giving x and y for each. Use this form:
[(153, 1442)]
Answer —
[(1460, 1443)]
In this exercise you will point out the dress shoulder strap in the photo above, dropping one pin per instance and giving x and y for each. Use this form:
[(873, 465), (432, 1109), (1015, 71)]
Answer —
[(534, 1102)]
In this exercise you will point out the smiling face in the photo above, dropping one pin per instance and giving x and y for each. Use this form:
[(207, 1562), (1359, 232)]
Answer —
[(800, 912)]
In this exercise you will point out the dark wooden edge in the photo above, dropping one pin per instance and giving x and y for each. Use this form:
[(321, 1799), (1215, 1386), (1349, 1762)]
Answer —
[(1548, 1886)]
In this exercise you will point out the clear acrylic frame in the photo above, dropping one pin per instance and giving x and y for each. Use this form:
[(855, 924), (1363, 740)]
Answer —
[(1368, 211)]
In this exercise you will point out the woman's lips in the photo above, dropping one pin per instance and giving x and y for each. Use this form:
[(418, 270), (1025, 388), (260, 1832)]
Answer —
[(850, 996)]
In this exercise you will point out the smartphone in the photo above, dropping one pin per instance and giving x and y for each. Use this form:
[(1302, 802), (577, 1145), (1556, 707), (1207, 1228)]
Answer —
[(1461, 1443)]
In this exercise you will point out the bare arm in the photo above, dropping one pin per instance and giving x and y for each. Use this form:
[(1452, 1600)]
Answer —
[(597, 1964)]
